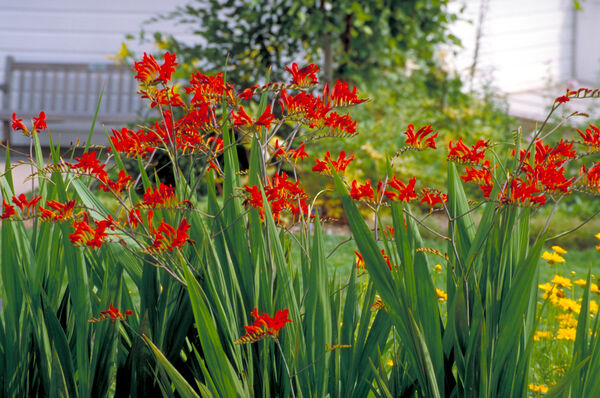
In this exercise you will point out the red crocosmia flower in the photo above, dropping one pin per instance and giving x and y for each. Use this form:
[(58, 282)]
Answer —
[(282, 194), (320, 166), (116, 186), (545, 154), (27, 207), (111, 313), (405, 192), (241, 119), (432, 198), (341, 95), (166, 97), (340, 125), (8, 210), (389, 231), (17, 124), (208, 88), (84, 234), (462, 154), (255, 198), (266, 118), (418, 140), (304, 105), (299, 153), (57, 211), (182, 234), (167, 238), (134, 217), (39, 123), (264, 326), (387, 259), (161, 196), (562, 99), (550, 178), (482, 176), (360, 262), (46, 215), (591, 181), (305, 77), (295, 154), (279, 150), (131, 142), (247, 93), (339, 165), (88, 163), (522, 194), (591, 138), (362, 191), (149, 72), (213, 166)]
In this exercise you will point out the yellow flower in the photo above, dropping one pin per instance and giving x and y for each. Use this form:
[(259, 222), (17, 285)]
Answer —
[(442, 295), (390, 362), (542, 334), (569, 305), (566, 320), (593, 287), (552, 257), (542, 388), (562, 281), (437, 267), (566, 334), (597, 235), (546, 286), (122, 55), (559, 249), (593, 307), (553, 296), (551, 292)]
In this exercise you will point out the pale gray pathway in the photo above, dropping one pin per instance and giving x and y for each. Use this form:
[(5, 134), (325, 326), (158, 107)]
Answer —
[(20, 172)]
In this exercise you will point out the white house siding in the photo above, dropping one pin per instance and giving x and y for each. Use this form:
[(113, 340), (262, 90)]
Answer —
[(530, 50), (523, 43), (587, 45), (77, 30)]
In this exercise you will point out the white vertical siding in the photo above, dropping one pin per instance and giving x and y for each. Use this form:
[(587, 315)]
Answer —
[(587, 45), (523, 45), (74, 30)]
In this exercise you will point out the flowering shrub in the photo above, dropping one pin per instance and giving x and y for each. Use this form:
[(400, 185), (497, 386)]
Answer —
[(192, 273)]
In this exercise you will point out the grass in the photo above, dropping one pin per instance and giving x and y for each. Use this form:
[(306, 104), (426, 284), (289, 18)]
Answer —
[(551, 356)]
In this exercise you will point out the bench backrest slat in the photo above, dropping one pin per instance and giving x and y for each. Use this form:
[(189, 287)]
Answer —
[(70, 88), (69, 92)]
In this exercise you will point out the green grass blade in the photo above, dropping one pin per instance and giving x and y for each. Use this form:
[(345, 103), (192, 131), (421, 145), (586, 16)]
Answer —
[(182, 386), (89, 139), (221, 370)]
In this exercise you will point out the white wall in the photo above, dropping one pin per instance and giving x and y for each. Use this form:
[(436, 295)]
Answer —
[(587, 43), (524, 43), (74, 30)]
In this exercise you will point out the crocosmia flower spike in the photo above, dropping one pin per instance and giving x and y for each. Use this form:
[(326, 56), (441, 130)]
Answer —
[(304, 77)]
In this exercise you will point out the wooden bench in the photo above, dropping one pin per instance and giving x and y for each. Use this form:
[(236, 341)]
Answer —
[(68, 93)]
